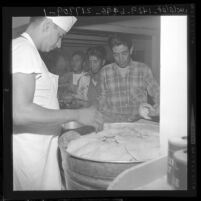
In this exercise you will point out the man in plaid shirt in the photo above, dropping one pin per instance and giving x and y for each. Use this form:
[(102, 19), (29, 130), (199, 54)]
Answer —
[(125, 85)]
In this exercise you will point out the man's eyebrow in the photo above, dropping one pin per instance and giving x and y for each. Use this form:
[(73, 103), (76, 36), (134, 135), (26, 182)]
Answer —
[(120, 52), (126, 51)]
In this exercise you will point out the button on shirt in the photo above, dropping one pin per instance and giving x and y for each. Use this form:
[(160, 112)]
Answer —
[(122, 95)]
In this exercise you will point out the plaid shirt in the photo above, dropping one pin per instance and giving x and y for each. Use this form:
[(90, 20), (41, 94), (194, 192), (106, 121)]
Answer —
[(123, 95)]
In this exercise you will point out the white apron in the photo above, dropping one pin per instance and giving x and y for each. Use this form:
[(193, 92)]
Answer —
[(35, 162)]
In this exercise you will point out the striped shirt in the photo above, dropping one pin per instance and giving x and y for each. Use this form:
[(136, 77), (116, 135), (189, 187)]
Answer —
[(122, 95)]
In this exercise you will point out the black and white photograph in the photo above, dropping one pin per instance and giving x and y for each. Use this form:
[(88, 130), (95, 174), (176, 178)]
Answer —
[(100, 103)]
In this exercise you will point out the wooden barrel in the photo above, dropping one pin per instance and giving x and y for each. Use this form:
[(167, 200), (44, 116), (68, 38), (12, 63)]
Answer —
[(84, 174)]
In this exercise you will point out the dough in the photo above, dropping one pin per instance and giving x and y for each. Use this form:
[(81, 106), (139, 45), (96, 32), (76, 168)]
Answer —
[(132, 142)]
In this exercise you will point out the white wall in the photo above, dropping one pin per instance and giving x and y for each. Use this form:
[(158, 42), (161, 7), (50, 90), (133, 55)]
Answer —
[(19, 21), (139, 25), (173, 106)]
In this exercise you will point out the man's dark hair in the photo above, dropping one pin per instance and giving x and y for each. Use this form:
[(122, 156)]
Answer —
[(79, 53), (97, 51), (119, 39)]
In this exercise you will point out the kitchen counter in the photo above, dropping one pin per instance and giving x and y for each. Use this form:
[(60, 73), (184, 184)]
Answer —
[(147, 176), (158, 184)]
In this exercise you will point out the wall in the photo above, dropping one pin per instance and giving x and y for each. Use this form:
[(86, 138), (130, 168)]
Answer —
[(141, 46), (174, 80), (138, 28)]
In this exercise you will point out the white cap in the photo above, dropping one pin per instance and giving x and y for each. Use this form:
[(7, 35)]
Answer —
[(64, 22)]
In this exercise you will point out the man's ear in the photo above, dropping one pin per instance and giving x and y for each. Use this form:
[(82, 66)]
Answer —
[(46, 25), (103, 63), (131, 50)]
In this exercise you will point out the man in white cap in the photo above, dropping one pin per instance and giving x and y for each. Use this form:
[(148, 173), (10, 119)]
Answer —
[(37, 119)]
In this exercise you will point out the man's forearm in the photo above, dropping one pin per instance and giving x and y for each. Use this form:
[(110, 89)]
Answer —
[(34, 114), (157, 101), (157, 109)]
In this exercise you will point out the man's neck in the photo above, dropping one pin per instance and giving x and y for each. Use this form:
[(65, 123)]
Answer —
[(123, 71), (34, 36), (78, 73), (94, 75)]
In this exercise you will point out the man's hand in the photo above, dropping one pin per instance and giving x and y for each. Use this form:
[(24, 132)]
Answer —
[(90, 116), (82, 103), (145, 110)]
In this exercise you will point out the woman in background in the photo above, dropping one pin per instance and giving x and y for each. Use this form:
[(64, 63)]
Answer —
[(96, 60), (73, 86)]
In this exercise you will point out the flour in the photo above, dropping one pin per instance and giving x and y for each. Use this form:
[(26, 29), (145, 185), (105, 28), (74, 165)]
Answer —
[(134, 142)]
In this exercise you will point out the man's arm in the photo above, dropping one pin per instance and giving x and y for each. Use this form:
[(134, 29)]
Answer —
[(153, 90), (102, 103), (108, 115), (25, 112)]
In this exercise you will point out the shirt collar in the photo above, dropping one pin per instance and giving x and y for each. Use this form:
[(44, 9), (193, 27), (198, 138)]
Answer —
[(28, 37), (128, 66), (95, 76), (130, 63), (78, 74)]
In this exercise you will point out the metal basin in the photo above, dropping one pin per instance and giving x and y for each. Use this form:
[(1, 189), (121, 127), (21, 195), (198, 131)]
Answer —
[(78, 127), (71, 125), (86, 174)]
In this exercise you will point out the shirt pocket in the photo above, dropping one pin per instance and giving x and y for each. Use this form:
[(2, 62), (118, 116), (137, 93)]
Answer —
[(111, 85), (137, 89)]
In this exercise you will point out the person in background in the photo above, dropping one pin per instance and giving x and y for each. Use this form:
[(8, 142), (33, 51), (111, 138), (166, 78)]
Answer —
[(56, 62), (96, 60), (37, 119), (61, 66), (74, 90), (125, 85)]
